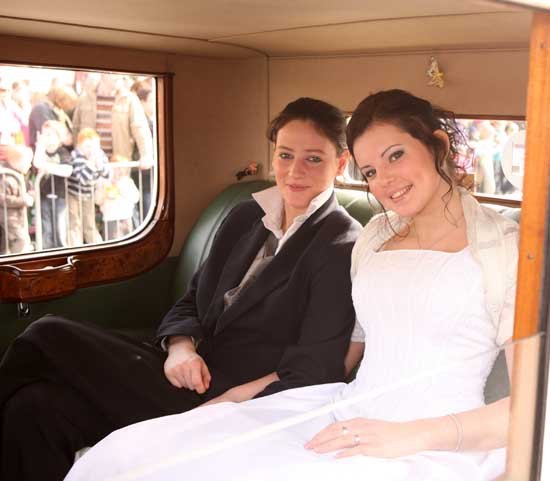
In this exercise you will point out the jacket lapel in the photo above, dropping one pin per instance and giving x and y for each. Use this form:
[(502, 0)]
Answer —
[(280, 268), (240, 259)]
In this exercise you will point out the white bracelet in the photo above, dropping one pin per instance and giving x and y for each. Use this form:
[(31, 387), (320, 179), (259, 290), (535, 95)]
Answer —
[(459, 430)]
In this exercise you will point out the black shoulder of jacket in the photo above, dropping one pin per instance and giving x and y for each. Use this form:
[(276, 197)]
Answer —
[(243, 215), (344, 225)]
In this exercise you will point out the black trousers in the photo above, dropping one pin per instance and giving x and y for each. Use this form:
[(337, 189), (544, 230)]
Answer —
[(65, 385)]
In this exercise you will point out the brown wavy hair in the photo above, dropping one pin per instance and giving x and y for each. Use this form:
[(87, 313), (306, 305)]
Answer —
[(420, 119)]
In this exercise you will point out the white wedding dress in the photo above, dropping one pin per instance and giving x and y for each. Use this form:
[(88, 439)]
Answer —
[(430, 345)]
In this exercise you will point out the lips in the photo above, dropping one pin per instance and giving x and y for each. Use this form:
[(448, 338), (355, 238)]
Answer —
[(398, 195), (297, 188)]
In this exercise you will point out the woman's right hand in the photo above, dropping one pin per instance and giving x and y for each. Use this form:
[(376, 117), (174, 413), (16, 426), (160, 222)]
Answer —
[(184, 367)]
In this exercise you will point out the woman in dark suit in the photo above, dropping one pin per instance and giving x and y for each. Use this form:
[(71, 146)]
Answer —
[(270, 309)]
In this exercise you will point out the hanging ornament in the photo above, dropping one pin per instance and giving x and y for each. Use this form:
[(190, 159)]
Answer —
[(435, 75)]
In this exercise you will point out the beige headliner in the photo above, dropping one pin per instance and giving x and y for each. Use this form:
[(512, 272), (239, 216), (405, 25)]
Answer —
[(241, 28)]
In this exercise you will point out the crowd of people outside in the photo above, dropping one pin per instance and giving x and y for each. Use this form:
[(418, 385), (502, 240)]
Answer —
[(76, 158), (486, 140)]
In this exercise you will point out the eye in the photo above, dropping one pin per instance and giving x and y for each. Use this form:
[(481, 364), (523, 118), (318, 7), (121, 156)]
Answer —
[(369, 174), (315, 159), (396, 155), (285, 155)]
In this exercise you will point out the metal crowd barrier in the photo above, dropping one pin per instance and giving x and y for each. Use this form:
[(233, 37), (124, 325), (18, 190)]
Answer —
[(4, 172), (53, 197)]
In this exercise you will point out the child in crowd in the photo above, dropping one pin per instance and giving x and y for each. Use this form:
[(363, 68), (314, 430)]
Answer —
[(117, 198), (53, 161), (89, 164), (14, 200)]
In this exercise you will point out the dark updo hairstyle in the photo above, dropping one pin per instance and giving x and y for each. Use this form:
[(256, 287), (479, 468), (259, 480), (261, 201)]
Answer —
[(328, 120), (417, 117)]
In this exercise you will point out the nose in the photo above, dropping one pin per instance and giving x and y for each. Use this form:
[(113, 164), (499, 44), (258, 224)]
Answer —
[(385, 177), (297, 168)]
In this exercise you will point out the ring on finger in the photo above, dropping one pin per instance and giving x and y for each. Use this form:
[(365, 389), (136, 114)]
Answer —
[(356, 439), (345, 431)]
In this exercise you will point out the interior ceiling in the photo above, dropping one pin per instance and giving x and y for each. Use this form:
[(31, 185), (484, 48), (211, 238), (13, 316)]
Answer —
[(241, 28)]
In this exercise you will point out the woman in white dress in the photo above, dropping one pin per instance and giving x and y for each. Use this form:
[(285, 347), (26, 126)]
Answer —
[(433, 288)]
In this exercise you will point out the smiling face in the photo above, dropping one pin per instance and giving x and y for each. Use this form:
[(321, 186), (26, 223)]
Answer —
[(305, 164), (400, 170)]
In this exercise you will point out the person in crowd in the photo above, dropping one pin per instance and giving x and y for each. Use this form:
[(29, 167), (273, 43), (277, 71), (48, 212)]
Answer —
[(147, 99), (503, 132), (94, 108), (117, 197), (144, 176), (21, 96), (433, 288), (270, 309), (484, 151), (132, 138), (138, 85), (14, 200), (89, 164), (58, 105), (53, 161), (10, 128), (113, 110)]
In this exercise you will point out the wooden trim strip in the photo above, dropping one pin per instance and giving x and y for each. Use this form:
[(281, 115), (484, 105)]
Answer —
[(535, 184), (522, 443)]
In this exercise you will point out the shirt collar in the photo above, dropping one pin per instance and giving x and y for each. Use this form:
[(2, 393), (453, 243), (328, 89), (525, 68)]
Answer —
[(271, 202)]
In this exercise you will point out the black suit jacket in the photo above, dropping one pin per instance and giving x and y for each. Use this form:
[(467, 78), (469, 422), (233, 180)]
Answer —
[(296, 318)]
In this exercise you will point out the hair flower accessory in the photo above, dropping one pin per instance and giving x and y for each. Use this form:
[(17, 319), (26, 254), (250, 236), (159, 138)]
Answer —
[(250, 169)]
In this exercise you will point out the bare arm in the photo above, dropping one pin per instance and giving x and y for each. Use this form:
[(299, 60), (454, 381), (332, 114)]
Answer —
[(483, 428), (42, 162), (246, 391), (354, 355), (479, 429)]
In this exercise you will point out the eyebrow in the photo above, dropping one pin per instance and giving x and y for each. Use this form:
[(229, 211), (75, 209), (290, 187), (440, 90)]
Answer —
[(381, 155), (284, 147), (384, 153)]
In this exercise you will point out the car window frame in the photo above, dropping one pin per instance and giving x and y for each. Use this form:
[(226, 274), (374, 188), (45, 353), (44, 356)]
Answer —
[(38, 276)]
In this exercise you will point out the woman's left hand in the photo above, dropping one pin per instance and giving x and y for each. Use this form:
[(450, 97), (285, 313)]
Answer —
[(371, 437)]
